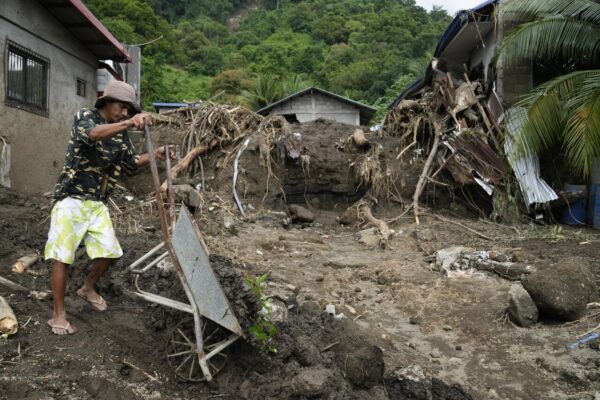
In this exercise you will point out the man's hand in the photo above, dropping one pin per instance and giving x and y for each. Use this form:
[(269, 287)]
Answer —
[(140, 120), (160, 152)]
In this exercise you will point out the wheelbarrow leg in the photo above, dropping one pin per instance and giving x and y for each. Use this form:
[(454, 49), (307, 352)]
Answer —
[(200, 342), (204, 366)]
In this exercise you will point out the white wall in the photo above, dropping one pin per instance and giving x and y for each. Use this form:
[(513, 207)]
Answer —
[(310, 107), (39, 143)]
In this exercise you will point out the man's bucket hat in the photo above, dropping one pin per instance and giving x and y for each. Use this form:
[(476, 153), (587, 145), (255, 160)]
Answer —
[(119, 91)]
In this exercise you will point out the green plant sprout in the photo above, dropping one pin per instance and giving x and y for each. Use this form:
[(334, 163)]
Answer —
[(264, 331)]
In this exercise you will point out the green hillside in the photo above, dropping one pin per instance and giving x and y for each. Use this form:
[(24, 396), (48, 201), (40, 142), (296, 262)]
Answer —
[(252, 52)]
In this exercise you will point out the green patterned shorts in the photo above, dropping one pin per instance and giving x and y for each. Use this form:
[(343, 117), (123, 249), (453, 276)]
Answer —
[(74, 220)]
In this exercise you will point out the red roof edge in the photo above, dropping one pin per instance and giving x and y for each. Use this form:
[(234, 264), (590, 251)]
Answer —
[(87, 14)]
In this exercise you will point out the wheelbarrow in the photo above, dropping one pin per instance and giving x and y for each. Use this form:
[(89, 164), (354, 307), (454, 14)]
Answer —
[(197, 348)]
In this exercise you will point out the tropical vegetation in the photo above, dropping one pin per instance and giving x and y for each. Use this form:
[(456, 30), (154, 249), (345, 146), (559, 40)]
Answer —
[(565, 110), (251, 52)]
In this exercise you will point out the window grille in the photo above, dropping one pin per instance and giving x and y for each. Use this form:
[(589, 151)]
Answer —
[(81, 87), (26, 79)]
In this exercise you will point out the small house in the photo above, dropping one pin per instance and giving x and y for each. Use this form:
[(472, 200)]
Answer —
[(314, 103), (51, 51)]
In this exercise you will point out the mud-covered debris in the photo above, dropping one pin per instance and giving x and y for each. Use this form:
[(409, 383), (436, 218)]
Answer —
[(300, 214), (8, 321), (521, 309), (310, 308), (24, 262), (312, 382), (562, 291)]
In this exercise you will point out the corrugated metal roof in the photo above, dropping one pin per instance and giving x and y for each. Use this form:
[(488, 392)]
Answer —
[(525, 166), (84, 25)]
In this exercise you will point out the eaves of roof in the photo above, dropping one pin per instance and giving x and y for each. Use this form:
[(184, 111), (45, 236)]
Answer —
[(84, 25)]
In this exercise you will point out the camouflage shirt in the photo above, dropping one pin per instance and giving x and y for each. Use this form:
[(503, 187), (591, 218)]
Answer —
[(92, 167)]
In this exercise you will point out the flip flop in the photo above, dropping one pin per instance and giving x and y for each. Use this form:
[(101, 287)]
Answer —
[(71, 329), (98, 305)]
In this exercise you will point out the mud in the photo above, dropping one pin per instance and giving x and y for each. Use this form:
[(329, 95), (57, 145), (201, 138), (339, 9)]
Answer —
[(407, 332)]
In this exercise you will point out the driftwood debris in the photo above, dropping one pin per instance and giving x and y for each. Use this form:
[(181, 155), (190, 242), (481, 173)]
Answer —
[(24, 262), (427, 168), (8, 321), (384, 231), (13, 286), (358, 137)]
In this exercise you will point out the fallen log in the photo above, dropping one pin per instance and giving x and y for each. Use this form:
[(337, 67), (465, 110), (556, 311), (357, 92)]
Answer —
[(8, 321), (12, 285), (189, 157), (509, 270), (24, 262)]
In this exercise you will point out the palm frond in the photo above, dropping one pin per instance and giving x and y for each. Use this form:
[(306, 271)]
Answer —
[(564, 110), (554, 37), (581, 136), (527, 10)]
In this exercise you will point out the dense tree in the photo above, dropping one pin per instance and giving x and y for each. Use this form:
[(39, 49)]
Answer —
[(359, 48)]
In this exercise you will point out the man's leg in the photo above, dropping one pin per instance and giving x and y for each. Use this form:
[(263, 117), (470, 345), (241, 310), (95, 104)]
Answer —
[(59, 323), (99, 267)]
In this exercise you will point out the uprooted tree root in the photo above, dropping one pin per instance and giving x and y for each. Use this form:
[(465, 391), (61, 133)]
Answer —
[(212, 126)]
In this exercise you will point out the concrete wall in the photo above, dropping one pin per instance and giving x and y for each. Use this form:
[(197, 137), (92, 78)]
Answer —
[(39, 143), (314, 106), (516, 80)]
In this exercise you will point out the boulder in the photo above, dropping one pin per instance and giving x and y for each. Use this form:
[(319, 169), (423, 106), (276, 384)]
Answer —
[(312, 382), (305, 352), (300, 214), (521, 308), (187, 195), (562, 291)]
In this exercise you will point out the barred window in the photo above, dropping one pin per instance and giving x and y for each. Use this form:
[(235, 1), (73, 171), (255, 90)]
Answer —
[(81, 87), (26, 79)]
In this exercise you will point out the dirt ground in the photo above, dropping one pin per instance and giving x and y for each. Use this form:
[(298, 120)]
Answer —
[(407, 331)]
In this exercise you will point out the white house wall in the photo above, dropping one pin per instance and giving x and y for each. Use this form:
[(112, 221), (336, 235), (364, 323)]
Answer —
[(38, 143), (310, 107)]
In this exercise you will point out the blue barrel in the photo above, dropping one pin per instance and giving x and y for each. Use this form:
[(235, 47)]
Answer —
[(594, 206), (574, 213)]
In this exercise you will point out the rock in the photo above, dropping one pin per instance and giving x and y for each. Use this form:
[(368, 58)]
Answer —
[(362, 366), (519, 256), (369, 237), (562, 291), (435, 353), (447, 328), (187, 195), (279, 312), (311, 382), (413, 320), (305, 352), (521, 308), (381, 280), (300, 214), (310, 308)]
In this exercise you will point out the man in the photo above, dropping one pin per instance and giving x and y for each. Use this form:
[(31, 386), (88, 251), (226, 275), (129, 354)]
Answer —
[(99, 150)]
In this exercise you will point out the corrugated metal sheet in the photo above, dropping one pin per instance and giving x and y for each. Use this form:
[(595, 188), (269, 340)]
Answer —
[(526, 167)]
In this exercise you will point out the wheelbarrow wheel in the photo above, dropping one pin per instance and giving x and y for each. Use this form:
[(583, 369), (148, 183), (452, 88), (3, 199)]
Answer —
[(182, 353)]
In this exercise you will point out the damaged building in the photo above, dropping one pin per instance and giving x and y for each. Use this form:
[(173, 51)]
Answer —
[(470, 86)]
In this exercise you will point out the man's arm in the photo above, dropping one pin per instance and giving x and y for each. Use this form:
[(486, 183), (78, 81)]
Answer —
[(107, 131)]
